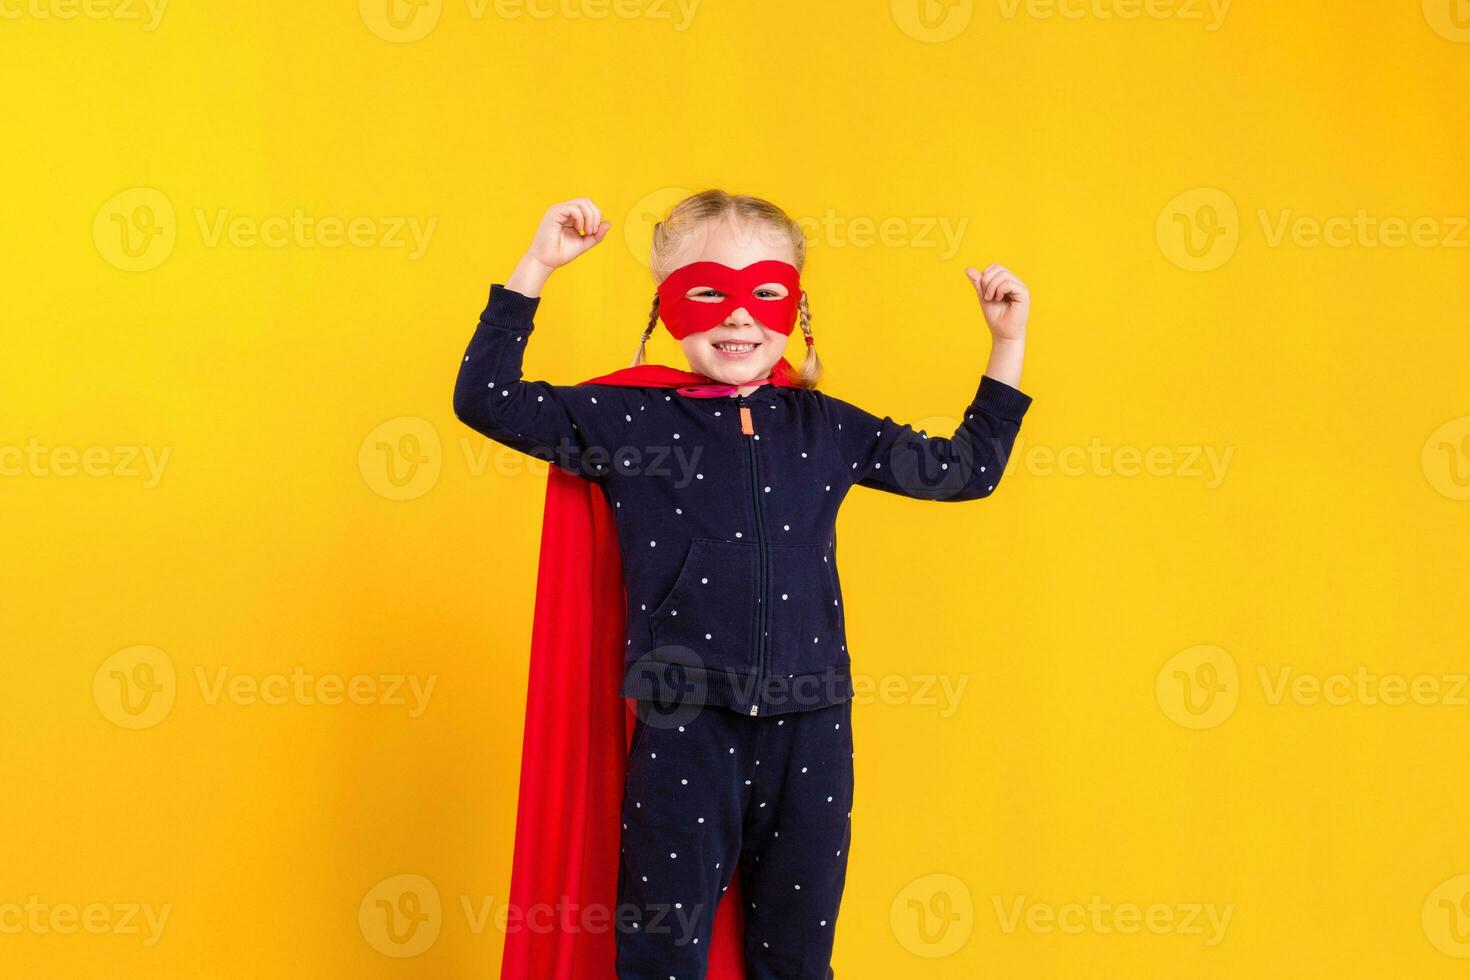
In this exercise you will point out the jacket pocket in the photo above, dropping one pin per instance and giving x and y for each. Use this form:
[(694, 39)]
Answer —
[(711, 608), (640, 735), (806, 612)]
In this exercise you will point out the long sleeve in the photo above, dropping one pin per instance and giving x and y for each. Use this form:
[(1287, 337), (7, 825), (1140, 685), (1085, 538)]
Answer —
[(571, 426), (965, 466)]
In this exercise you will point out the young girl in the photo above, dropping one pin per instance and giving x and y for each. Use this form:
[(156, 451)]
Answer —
[(724, 486)]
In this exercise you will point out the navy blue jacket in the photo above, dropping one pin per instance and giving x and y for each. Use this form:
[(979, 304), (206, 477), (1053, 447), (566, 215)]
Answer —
[(727, 540)]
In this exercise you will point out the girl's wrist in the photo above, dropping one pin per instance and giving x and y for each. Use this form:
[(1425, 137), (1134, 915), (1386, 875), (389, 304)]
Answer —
[(1007, 354), (529, 276)]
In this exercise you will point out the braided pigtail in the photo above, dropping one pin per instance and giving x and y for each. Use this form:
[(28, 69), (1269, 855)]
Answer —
[(640, 356), (811, 368)]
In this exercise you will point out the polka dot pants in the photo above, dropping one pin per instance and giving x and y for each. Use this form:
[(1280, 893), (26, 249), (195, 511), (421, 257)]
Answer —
[(709, 788)]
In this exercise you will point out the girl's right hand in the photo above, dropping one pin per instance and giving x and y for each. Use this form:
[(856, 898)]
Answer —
[(566, 231)]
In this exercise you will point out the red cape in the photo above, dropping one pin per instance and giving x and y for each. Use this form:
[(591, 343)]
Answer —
[(578, 729)]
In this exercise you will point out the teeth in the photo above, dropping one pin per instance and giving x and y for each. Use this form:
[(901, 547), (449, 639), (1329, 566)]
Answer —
[(734, 347)]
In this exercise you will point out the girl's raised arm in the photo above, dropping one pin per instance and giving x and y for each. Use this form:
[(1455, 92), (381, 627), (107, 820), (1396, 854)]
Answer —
[(570, 426), (968, 464)]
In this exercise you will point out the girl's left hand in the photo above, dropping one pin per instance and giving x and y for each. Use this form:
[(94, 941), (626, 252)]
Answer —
[(1004, 299)]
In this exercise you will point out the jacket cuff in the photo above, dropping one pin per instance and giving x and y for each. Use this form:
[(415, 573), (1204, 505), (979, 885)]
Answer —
[(1001, 400), (508, 308)]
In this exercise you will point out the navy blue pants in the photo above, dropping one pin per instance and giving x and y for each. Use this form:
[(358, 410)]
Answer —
[(708, 788)]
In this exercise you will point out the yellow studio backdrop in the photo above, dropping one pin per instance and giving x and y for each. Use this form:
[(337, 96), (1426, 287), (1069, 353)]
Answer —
[(1186, 698)]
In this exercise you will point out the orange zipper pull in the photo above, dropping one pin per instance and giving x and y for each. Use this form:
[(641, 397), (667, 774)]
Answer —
[(747, 424)]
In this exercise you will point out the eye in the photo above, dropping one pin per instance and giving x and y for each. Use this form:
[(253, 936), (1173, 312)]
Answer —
[(771, 290), (704, 294)]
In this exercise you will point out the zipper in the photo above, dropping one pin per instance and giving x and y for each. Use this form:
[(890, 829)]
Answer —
[(747, 428)]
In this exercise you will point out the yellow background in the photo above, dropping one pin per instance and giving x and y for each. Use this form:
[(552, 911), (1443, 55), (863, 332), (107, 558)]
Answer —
[(1079, 149)]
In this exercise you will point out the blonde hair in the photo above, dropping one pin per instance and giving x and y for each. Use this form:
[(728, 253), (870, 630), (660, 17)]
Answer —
[(689, 215)]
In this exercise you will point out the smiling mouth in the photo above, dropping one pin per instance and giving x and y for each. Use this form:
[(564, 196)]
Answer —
[(735, 348)]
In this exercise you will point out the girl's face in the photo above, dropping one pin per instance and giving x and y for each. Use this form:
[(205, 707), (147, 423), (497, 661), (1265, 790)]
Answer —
[(741, 349)]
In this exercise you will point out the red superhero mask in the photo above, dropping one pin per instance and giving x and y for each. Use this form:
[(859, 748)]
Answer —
[(684, 316)]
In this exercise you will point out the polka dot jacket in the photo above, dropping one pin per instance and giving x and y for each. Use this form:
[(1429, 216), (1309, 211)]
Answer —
[(725, 509)]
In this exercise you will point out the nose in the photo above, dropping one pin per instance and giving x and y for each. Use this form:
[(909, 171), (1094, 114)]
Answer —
[(739, 317)]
